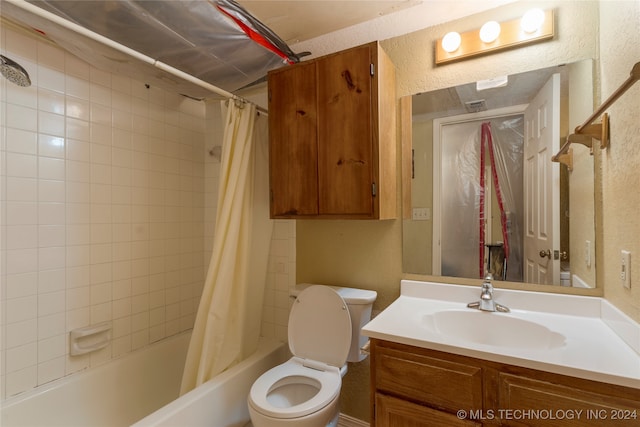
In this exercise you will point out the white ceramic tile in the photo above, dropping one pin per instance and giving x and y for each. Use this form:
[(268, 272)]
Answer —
[(22, 261), (78, 193), (20, 213), (51, 168), (100, 194), (100, 96), (100, 253), (22, 333), (19, 117), (101, 312), (78, 150), (51, 325), (100, 173), (51, 79), (78, 318), (51, 348), (101, 213), (51, 370), (51, 145), (78, 256), (51, 124), (78, 108), (101, 233), (101, 273), (51, 190), (121, 289), (21, 309), (21, 285), (51, 280), (51, 213), (100, 77), (51, 101), (121, 270), (23, 96), (101, 154), (79, 89), (22, 236), (21, 380), (22, 165), (22, 141), (121, 117), (78, 297), (51, 303), (78, 129), (121, 327), (78, 234), (121, 308), (77, 67)]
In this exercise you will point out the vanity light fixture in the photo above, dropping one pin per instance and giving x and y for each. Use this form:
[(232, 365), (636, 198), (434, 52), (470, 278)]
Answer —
[(532, 20), (536, 26), (451, 42), (490, 32)]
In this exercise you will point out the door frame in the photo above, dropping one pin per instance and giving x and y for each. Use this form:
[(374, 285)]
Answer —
[(438, 124)]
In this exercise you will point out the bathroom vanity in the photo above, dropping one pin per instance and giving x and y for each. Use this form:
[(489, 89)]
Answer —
[(555, 360)]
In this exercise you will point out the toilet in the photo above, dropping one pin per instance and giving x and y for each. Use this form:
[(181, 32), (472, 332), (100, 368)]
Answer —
[(324, 333)]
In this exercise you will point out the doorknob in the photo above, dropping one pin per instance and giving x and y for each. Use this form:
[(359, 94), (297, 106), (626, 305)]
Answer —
[(545, 254)]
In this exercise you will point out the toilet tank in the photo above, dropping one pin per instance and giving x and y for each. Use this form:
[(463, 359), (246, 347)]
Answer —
[(359, 302)]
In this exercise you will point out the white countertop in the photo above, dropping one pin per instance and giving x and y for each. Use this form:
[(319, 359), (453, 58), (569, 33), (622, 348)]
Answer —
[(601, 343)]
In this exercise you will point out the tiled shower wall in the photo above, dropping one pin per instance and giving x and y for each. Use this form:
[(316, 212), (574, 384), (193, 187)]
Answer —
[(107, 204)]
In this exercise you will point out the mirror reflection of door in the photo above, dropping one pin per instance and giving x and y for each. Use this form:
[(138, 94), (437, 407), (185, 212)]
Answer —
[(458, 144), (542, 198)]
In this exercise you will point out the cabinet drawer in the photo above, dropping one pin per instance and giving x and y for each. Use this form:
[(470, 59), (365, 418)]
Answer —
[(528, 402), (394, 412), (439, 383)]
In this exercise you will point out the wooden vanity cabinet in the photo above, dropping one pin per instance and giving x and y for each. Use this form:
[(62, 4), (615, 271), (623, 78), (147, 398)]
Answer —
[(332, 137), (417, 387)]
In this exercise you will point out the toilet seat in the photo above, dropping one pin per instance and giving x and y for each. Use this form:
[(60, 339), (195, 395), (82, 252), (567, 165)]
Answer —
[(328, 383)]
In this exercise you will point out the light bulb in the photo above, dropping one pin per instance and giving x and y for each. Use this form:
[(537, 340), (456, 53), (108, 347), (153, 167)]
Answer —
[(490, 32), (451, 42), (532, 20)]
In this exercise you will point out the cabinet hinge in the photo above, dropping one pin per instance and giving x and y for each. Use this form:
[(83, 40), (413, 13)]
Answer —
[(373, 189), (372, 69)]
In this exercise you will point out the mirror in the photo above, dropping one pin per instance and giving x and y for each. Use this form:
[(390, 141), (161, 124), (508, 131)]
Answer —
[(524, 218)]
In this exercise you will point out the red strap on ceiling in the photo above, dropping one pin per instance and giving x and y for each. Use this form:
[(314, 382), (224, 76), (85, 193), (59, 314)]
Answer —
[(255, 36)]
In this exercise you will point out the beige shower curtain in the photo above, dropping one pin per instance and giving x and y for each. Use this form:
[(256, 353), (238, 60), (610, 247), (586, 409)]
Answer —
[(227, 325)]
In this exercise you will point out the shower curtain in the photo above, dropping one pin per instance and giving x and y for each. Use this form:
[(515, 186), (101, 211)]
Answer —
[(227, 325)]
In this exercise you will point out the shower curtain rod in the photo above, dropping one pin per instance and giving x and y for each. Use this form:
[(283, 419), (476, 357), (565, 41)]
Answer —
[(23, 4)]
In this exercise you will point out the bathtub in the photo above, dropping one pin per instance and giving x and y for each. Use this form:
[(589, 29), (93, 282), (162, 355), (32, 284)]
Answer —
[(221, 401), (115, 394)]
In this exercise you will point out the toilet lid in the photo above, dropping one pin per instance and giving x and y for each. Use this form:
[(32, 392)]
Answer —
[(320, 326)]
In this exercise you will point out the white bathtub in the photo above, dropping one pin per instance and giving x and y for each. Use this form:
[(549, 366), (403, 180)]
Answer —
[(115, 394), (222, 401)]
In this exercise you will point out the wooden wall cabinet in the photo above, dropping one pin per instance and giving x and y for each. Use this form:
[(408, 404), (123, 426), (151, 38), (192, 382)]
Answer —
[(417, 387), (332, 137)]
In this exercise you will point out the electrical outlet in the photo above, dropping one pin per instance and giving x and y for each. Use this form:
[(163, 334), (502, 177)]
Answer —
[(625, 269)]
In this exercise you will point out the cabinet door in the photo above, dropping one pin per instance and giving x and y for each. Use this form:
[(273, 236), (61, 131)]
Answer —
[(528, 402), (345, 152), (393, 412), (293, 145)]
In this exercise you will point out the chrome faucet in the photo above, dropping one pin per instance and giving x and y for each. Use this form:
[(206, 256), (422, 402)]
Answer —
[(487, 303)]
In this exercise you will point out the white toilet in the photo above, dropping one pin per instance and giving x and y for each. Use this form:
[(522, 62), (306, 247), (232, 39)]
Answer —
[(324, 333)]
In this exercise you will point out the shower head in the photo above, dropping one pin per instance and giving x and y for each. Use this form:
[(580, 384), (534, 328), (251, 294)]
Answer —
[(14, 72)]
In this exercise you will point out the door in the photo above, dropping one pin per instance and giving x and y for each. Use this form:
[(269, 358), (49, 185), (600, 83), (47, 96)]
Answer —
[(293, 144), (345, 143), (542, 186)]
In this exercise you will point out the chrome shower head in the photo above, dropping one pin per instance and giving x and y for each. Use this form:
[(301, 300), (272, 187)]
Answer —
[(14, 72)]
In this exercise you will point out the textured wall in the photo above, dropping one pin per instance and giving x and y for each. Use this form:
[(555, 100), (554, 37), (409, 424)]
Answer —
[(619, 50)]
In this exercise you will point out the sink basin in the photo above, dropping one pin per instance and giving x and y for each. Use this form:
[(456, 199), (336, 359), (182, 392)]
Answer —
[(495, 329)]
